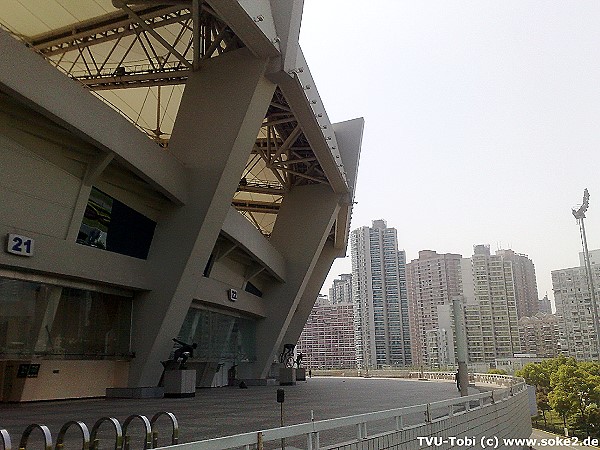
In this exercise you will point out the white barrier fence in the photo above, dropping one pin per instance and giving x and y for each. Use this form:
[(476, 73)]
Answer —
[(500, 412)]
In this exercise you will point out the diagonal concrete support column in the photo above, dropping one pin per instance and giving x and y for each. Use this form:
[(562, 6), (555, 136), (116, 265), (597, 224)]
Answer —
[(303, 224), (349, 138), (221, 112), (313, 287)]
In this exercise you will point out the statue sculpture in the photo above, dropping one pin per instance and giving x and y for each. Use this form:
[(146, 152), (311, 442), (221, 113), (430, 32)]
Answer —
[(183, 353), (287, 355)]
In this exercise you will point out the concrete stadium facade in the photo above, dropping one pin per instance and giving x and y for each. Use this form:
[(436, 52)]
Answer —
[(222, 232)]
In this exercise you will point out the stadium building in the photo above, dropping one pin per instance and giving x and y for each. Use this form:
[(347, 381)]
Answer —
[(168, 169)]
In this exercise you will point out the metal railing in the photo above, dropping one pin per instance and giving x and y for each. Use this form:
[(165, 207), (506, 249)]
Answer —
[(90, 439), (486, 378), (431, 412)]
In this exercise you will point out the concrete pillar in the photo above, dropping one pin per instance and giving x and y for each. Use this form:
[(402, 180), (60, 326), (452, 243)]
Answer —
[(51, 307), (302, 227), (313, 287), (220, 115), (460, 336)]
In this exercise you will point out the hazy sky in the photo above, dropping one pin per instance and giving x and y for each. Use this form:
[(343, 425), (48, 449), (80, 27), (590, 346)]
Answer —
[(482, 120)]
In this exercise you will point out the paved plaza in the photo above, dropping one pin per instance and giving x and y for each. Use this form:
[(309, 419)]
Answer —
[(224, 411)]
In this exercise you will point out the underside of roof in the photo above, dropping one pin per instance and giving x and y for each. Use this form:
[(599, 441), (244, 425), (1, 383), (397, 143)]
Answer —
[(136, 56)]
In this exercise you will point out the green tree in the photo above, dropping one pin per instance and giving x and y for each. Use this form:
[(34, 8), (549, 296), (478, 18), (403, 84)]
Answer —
[(560, 403), (538, 375), (590, 421), (497, 372), (575, 393), (543, 403), (592, 367)]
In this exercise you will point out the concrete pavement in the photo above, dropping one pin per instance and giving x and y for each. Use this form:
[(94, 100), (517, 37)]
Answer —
[(224, 411)]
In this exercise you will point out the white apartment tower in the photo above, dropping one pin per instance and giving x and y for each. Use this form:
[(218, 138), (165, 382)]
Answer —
[(379, 296), (341, 290), (573, 311), (491, 313), (526, 292), (432, 280)]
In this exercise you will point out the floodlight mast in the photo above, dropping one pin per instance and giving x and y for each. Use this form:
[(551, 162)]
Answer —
[(579, 214)]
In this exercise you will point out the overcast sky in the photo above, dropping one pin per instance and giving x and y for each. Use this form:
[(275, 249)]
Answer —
[(482, 120)]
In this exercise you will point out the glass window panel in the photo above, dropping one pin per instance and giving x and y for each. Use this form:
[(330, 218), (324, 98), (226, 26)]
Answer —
[(111, 225), (60, 322), (220, 337)]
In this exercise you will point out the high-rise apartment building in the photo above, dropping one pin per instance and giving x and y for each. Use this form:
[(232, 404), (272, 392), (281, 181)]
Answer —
[(379, 296), (594, 257), (341, 290), (432, 280), (490, 310), (327, 340), (545, 307), (440, 341), (573, 303), (526, 293), (540, 335), (322, 300)]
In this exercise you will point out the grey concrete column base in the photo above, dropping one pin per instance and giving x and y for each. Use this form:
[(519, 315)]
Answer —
[(287, 376), (180, 383), (301, 374)]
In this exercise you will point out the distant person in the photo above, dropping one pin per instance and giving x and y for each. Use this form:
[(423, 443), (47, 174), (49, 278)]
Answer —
[(309, 373), (231, 375), (456, 377)]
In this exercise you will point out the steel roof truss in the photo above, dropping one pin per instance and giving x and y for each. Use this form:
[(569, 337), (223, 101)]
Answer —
[(288, 141), (142, 23), (63, 41)]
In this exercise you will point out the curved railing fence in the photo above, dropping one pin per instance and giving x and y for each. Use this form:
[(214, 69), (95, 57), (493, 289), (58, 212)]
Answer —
[(483, 420)]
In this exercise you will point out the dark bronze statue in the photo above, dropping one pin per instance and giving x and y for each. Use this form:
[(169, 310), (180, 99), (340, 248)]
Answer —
[(287, 355), (183, 353)]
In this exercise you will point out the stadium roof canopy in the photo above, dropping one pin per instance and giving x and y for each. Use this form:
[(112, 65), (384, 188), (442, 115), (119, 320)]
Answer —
[(136, 56)]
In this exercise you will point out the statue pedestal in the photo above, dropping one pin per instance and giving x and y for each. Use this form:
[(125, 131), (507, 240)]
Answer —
[(287, 376), (301, 374), (180, 383)]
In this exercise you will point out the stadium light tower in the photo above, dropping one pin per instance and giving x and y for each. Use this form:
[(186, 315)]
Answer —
[(580, 215)]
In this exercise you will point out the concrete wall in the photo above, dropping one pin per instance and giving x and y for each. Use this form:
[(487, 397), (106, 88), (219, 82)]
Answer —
[(229, 272), (61, 379), (25, 198), (214, 293), (507, 419)]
